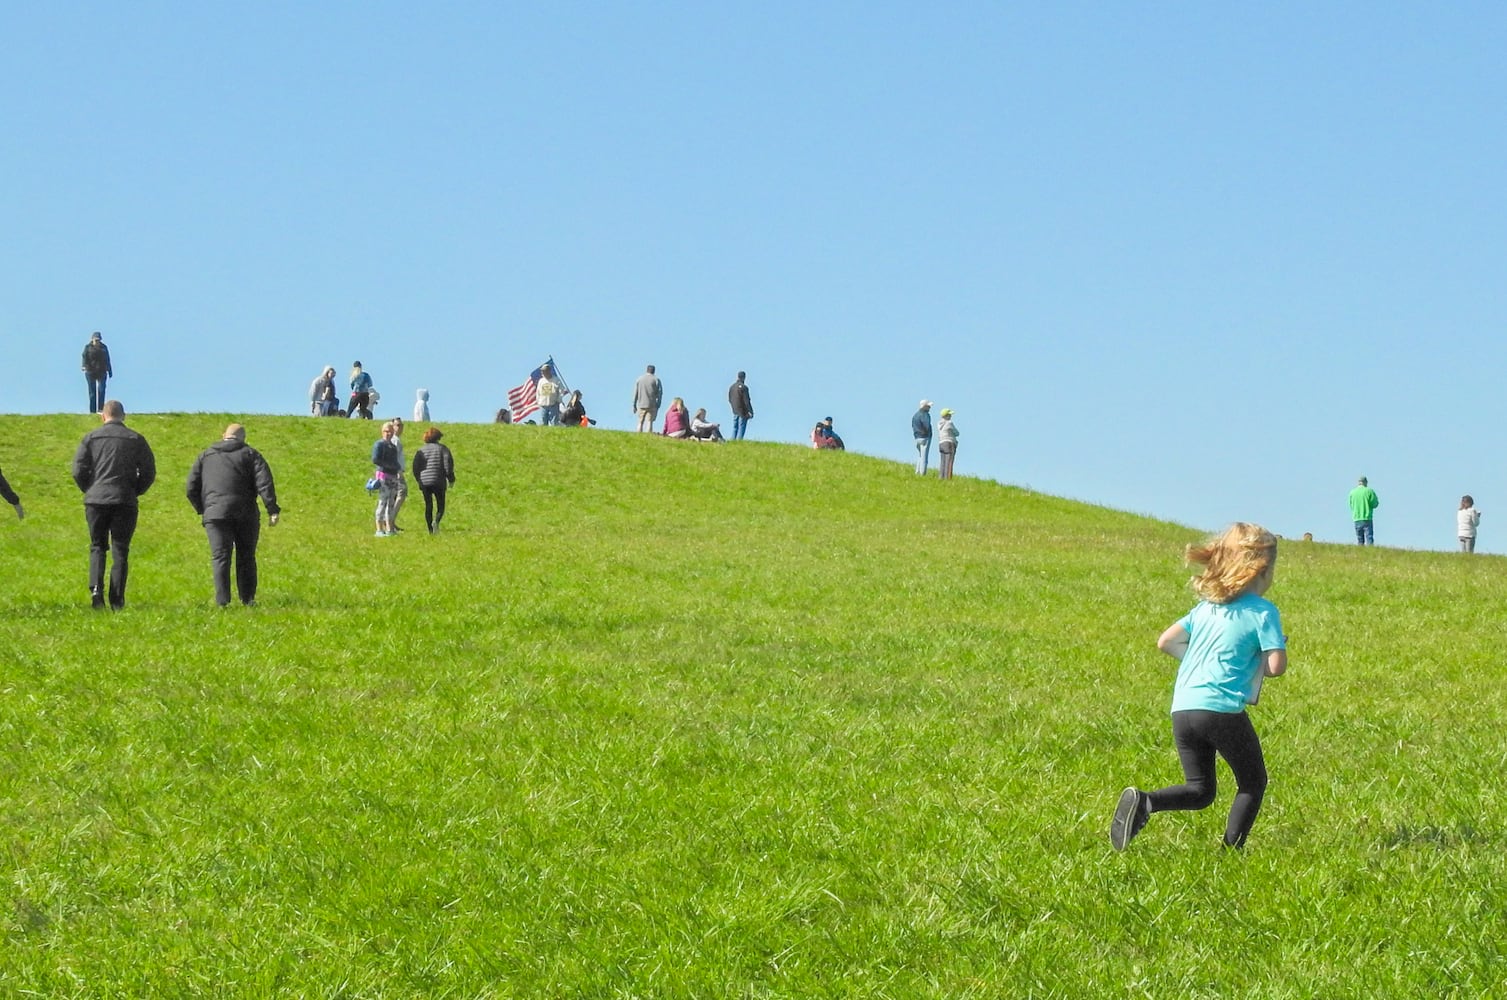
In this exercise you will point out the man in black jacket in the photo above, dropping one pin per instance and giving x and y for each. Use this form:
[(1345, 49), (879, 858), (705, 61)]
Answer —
[(113, 466), (97, 369), (738, 399), (222, 487)]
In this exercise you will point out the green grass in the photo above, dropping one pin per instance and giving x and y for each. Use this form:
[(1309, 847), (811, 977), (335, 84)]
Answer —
[(657, 719)]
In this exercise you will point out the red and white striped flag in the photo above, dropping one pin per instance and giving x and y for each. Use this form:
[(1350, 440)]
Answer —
[(524, 399)]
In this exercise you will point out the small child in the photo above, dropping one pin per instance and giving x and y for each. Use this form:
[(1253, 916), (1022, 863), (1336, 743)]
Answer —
[(1226, 644), (1466, 520)]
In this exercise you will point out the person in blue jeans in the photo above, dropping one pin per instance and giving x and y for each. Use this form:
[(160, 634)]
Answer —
[(742, 406), (97, 370), (1225, 647), (548, 393), (920, 428), (1363, 504)]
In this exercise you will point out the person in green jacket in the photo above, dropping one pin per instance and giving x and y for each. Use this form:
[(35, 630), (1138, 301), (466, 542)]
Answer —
[(1363, 502)]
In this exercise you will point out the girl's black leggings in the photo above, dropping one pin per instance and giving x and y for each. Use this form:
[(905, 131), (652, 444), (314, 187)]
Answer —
[(434, 505), (1199, 736)]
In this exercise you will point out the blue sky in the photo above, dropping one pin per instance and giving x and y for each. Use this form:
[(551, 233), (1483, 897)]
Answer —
[(1188, 260)]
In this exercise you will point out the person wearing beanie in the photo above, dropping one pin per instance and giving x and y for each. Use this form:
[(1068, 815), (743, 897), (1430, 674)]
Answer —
[(97, 370)]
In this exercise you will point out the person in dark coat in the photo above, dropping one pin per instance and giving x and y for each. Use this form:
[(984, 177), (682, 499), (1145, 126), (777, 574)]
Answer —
[(434, 468), (96, 369), (223, 485), (9, 496), (742, 405), (113, 467)]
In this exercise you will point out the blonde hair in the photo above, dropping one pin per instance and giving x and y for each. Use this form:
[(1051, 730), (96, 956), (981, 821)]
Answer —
[(1232, 561)]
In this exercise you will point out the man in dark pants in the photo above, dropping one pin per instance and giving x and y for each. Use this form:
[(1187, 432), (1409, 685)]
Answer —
[(222, 487), (96, 367), (113, 466), (9, 496)]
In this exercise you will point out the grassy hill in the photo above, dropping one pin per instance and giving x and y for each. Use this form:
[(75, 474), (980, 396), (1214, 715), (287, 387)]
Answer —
[(658, 719)]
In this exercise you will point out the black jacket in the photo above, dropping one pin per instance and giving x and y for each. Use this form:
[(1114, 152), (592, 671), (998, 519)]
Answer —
[(6, 493), (97, 360), (434, 465), (225, 480), (114, 465), (737, 398)]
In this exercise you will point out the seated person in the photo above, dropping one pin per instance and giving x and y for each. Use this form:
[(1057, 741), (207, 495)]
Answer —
[(677, 420), (823, 436), (503, 416), (574, 414), (703, 429)]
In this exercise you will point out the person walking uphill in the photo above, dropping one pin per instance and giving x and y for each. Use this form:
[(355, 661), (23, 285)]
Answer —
[(434, 468), (97, 370), (648, 393), (1225, 646), (113, 467), (223, 485), (742, 405), (11, 497), (920, 427), (1363, 504)]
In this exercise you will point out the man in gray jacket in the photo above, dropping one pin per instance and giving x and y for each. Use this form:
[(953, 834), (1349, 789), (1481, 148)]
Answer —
[(648, 393), (223, 486), (113, 467)]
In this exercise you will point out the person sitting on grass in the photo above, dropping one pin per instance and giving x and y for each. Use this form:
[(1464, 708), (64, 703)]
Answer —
[(677, 420), (574, 414), (703, 429), (823, 436)]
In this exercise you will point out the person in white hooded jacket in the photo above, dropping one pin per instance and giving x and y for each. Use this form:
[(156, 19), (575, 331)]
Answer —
[(1466, 520), (421, 407)]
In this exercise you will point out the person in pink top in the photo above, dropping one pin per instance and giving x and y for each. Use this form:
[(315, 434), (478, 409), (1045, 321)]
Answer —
[(677, 421)]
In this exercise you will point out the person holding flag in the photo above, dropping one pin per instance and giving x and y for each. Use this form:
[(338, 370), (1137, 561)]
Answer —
[(528, 397)]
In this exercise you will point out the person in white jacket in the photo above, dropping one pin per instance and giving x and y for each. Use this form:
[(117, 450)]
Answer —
[(1466, 519), (421, 407), (947, 444)]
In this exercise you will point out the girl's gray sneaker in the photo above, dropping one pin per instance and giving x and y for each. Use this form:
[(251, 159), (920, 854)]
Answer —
[(1131, 813)]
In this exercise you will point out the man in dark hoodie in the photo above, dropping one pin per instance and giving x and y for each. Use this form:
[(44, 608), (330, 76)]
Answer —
[(113, 467), (223, 486)]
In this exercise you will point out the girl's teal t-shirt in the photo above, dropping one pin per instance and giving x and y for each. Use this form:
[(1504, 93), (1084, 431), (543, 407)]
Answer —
[(1225, 643)]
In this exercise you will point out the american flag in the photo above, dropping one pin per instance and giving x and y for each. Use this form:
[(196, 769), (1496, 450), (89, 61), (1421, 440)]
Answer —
[(524, 399)]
